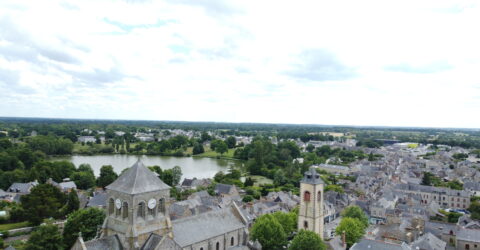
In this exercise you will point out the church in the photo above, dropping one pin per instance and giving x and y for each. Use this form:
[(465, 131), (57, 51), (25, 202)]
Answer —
[(137, 218)]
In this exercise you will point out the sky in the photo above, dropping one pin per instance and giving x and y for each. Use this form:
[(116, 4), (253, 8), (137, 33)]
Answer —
[(379, 63)]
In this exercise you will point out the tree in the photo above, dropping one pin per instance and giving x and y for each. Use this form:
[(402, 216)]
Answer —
[(176, 175), (44, 201), (72, 202), (86, 221), (474, 209), (83, 180), (307, 240), (198, 149), (248, 182), (47, 237), (427, 178), (310, 148), (269, 232), (221, 147), (231, 142), (107, 176), (357, 213), (353, 228), (287, 220)]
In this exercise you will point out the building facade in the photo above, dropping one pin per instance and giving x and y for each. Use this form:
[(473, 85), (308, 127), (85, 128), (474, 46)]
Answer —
[(310, 215)]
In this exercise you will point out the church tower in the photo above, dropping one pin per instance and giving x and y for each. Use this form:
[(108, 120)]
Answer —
[(310, 215), (137, 207)]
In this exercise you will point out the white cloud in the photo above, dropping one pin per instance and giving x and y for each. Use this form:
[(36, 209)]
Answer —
[(406, 63)]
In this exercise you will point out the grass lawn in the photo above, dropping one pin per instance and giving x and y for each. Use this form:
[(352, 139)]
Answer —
[(260, 180), (4, 227), (213, 154)]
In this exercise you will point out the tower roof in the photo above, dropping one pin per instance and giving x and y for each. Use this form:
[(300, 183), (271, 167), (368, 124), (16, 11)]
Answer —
[(312, 177), (138, 179)]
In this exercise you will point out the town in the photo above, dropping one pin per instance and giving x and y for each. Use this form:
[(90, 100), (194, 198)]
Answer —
[(295, 187)]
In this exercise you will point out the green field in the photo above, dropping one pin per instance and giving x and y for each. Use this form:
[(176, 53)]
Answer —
[(260, 180), (4, 227), (213, 154)]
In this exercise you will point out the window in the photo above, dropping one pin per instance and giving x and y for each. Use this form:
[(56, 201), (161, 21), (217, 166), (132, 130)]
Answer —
[(161, 205), (319, 196), (232, 241), (218, 246), (306, 196), (111, 206), (467, 246), (141, 209), (201, 248), (305, 224), (125, 210)]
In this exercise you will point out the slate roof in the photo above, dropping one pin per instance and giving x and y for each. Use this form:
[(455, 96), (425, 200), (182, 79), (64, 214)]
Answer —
[(3, 193), (99, 200), (223, 188), (152, 242), (312, 177), (429, 242), (366, 244), (471, 235), (111, 242), (138, 179), (197, 228), (21, 187), (67, 185)]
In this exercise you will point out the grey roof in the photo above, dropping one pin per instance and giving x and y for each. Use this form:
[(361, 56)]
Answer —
[(10, 248), (152, 242), (429, 242), (21, 187), (431, 189), (366, 244), (312, 177), (67, 185), (111, 242), (223, 188), (472, 235), (204, 226), (138, 179), (3, 193), (99, 200)]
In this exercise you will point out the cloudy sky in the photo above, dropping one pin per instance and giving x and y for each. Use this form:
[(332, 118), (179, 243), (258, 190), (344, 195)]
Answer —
[(392, 63)]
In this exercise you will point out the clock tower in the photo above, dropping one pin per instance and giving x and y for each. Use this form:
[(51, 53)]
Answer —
[(310, 215), (137, 207)]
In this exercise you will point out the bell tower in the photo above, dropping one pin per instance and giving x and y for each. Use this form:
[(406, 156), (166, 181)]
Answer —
[(310, 215), (137, 207)]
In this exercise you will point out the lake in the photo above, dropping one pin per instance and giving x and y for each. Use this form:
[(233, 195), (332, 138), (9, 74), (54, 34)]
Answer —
[(191, 166)]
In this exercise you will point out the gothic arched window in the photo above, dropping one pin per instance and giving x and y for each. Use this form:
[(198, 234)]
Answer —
[(232, 241), (125, 210), (305, 224), (306, 196), (161, 205), (141, 209), (319, 196), (111, 206), (218, 246)]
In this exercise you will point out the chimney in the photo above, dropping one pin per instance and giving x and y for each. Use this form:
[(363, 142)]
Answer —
[(344, 241)]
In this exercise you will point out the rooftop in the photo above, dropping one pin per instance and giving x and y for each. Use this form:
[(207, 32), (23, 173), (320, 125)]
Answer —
[(138, 179)]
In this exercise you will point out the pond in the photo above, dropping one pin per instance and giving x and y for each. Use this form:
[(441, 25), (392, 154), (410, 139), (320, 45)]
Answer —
[(191, 166)]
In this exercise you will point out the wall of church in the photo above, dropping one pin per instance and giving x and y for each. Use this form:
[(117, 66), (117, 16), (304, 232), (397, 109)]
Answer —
[(224, 241)]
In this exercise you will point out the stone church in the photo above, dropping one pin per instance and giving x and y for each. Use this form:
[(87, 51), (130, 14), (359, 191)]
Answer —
[(137, 218)]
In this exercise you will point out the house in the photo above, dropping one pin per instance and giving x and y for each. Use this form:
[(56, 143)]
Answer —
[(429, 241), (366, 244), (99, 200), (226, 190), (23, 188)]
